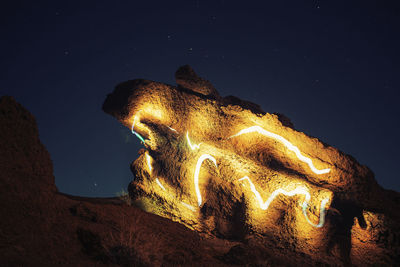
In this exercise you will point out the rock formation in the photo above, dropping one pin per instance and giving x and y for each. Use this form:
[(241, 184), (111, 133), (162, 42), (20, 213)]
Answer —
[(223, 167)]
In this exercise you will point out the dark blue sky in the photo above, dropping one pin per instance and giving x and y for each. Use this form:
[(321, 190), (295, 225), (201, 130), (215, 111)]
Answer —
[(331, 66)]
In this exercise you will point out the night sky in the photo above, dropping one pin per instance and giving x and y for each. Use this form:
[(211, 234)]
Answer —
[(331, 66)]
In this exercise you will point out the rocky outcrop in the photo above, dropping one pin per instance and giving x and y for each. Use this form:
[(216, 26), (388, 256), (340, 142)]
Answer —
[(187, 78), (225, 168), (21, 152)]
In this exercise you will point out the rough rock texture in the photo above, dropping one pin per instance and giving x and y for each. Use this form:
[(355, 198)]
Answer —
[(323, 203), (187, 78)]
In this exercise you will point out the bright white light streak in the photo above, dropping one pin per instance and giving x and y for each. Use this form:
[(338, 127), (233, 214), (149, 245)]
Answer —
[(286, 143), (148, 159), (135, 119), (322, 213), (265, 205), (160, 185), (188, 206), (172, 129), (197, 172), (301, 190), (192, 146)]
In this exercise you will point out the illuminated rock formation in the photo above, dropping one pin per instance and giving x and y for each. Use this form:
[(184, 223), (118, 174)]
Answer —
[(222, 166)]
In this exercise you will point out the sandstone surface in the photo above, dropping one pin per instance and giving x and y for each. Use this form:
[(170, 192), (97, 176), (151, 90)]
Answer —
[(224, 168)]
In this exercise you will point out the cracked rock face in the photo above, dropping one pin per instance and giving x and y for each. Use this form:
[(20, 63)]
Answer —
[(224, 167)]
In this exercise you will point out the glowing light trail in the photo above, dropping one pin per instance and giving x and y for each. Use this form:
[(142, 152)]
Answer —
[(301, 190), (133, 125), (148, 159), (286, 143), (322, 213), (192, 146), (160, 185), (172, 129), (188, 206), (197, 172)]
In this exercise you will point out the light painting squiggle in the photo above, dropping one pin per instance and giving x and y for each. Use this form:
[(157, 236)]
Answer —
[(192, 146), (197, 172), (160, 184), (301, 190), (188, 206), (148, 159), (133, 125), (172, 129), (322, 213), (286, 143)]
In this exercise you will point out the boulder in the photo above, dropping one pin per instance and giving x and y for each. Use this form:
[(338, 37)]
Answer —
[(225, 168)]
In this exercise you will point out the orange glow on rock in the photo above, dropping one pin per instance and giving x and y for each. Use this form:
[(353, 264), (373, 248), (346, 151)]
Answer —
[(286, 143), (304, 173)]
